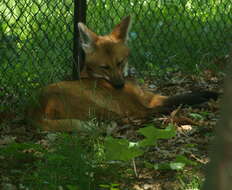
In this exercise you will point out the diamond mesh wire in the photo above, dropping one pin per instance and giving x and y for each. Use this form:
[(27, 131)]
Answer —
[(166, 35), (169, 34), (36, 46)]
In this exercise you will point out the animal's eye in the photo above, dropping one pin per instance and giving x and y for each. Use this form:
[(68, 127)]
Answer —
[(105, 67)]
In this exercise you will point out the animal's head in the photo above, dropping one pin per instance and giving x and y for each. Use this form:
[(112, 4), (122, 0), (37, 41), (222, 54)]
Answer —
[(106, 56)]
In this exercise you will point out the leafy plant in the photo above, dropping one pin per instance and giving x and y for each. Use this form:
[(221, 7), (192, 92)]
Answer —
[(17, 159), (178, 164), (152, 134), (124, 150), (70, 164), (121, 149), (127, 150)]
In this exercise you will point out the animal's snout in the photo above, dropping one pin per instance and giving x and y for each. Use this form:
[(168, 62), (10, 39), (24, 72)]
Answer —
[(118, 83)]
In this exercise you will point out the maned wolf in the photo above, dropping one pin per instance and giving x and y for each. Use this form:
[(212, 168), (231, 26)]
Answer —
[(103, 92)]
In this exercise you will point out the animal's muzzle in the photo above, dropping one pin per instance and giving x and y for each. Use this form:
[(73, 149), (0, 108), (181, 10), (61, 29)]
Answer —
[(119, 83)]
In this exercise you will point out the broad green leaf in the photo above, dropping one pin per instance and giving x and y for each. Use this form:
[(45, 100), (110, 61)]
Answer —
[(120, 149), (185, 160), (177, 165), (152, 134)]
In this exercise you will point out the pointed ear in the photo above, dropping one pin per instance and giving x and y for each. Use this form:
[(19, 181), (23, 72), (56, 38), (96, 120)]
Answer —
[(87, 38), (122, 29)]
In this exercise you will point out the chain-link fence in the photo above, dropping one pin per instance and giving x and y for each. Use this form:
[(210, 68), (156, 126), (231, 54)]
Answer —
[(36, 44), (169, 33)]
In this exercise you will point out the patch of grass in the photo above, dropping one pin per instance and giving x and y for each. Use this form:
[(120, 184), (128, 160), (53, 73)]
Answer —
[(68, 164), (17, 160), (190, 181), (72, 161)]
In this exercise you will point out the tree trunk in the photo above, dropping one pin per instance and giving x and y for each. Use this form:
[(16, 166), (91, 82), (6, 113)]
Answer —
[(219, 174)]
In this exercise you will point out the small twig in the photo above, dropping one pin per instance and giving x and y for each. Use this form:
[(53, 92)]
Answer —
[(134, 166), (198, 159)]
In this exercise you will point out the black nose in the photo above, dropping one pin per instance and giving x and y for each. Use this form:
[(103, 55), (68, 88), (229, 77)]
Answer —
[(119, 85)]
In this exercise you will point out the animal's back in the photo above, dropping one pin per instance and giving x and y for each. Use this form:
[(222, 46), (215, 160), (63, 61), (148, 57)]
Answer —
[(85, 98)]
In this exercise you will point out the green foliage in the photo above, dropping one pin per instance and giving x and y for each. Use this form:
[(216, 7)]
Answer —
[(16, 159), (153, 134), (124, 150), (76, 162), (70, 161), (186, 161), (110, 187), (16, 149), (166, 166), (190, 181), (121, 149), (179, 164), (70, 164)]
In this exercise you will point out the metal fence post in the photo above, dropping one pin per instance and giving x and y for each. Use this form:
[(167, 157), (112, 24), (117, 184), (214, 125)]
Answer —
[(80, 7)]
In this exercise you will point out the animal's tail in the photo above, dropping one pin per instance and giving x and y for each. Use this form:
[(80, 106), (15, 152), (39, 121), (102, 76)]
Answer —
[(192, 98)]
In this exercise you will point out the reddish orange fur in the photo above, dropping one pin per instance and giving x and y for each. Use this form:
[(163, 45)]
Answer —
[(103, 93), (87, 97)]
